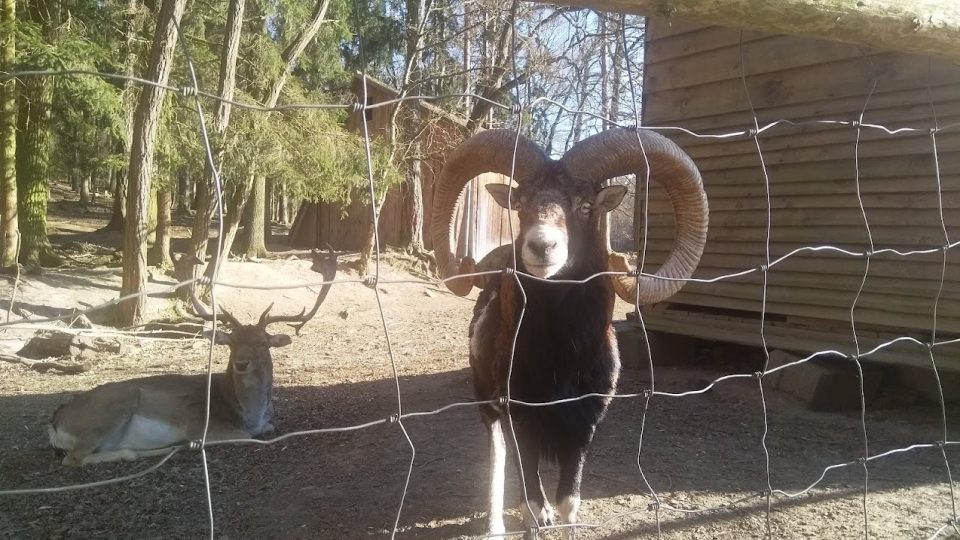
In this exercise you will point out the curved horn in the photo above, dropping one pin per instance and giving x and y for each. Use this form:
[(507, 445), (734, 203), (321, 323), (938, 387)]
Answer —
[(617, 152), (487, 151)]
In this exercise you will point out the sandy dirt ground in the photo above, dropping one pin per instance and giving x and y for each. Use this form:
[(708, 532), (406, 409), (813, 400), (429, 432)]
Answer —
[(701, 451)]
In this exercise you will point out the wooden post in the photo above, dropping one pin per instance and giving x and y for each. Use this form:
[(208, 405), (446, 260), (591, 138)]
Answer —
[(929, 27)]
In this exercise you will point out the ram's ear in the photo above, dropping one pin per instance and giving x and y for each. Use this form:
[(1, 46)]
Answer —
[(609, 198), (504, 195)]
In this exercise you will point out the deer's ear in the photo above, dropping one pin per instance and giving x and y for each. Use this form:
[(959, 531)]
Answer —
[(221, 337), (279, 340)]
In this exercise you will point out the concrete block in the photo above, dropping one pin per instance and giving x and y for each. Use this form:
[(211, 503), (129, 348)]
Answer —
[(633, 352), (922, 380), (666, 349), (830, 385), (777, 359)]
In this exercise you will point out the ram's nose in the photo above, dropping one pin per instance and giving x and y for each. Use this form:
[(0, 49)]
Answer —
[(542, 247)]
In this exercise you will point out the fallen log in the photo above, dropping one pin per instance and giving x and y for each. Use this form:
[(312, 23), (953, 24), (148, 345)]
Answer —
[(62, 344)]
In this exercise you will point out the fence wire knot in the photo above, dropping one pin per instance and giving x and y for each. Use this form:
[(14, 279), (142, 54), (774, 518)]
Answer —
[(188, 91), (855, 123), (370, 282), (393, 418), (516, 109), (752, 132), (503, 401), (356, 106), (195, 444), (654, 506)]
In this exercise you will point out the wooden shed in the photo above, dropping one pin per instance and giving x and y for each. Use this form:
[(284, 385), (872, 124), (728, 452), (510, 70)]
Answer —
[(320, 224), (695, 77)]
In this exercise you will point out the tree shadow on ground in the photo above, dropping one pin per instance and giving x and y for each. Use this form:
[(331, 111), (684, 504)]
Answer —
[(349, 484)]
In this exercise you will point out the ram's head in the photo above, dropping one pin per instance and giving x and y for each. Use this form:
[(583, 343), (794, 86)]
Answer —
[(560, 203)]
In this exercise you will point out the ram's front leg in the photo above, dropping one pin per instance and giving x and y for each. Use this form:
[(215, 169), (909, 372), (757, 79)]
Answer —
[(498, 463), (568, 488)]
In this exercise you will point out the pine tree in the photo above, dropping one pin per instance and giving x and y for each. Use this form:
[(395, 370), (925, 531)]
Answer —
[(8, 137), (130, 312)]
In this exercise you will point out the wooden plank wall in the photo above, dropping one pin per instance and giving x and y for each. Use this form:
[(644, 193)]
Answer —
[(693, 79), (321, 224)]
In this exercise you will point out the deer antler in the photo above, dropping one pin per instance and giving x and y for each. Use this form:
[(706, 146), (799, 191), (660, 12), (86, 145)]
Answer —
[(327, 267), (201, 310)]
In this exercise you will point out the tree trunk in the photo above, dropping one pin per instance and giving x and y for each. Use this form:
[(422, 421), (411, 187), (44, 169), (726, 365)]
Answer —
[(129, 101), (497, 49), (236, 209), (604, 71), (369, 238), (467, 51), (8, 139), (151, 218), (284, 216), (927, 27), (183, 192), (34, 145), (275, 201), (227, 83), (160, 253), (255, 222), (415, 217), (268, 213), (130, 312), (119, 201), (410, 137), (85, 181)]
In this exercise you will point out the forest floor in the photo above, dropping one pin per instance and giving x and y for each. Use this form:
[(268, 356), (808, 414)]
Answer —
[(698, 451)]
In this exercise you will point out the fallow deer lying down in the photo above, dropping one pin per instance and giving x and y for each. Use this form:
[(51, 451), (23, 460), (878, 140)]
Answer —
[(143, 417)]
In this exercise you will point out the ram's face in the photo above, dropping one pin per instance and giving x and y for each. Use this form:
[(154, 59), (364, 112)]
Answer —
[(556, 214)]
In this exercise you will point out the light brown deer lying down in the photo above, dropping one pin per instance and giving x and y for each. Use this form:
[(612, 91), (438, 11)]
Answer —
[(127, 420)]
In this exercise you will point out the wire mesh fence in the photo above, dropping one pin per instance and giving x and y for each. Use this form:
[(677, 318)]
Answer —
[(770, 495)]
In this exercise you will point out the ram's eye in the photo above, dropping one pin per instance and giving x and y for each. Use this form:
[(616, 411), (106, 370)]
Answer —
[(585, 209)]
